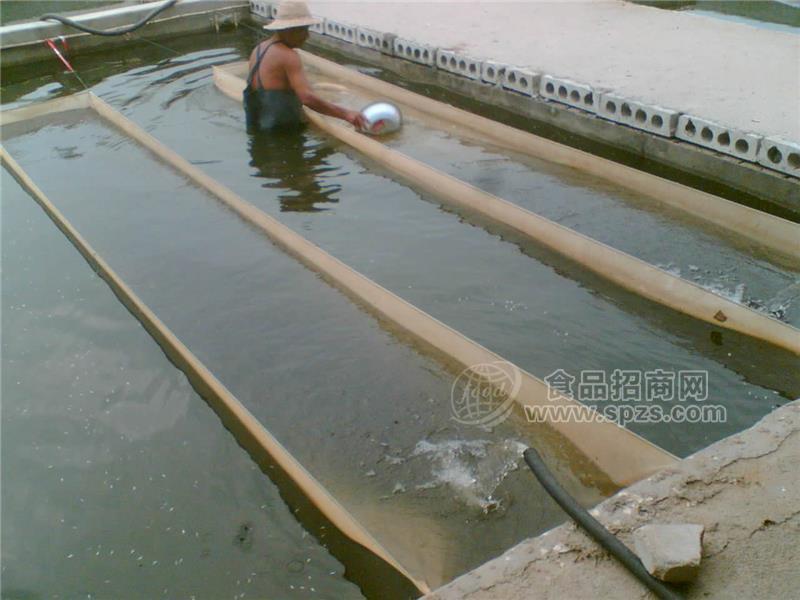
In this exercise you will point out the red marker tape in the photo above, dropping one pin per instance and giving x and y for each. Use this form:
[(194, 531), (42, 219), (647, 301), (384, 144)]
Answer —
[(59, 55)]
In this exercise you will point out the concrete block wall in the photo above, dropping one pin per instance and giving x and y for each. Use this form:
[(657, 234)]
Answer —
[(521, 80), (493, 72), (414, 51), (569, 92), (782, 155), (457, 63), (648, 117), (773, 153), (715, 136), (261, 8), (340, 31), (369, 38), (319, 27)]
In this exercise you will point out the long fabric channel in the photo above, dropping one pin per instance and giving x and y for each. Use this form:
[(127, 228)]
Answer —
[(621, 454), (628, 272), (779, 235), (367, 560)]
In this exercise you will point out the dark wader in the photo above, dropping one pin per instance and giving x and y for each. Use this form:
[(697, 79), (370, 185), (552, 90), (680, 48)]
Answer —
[(270, 110)]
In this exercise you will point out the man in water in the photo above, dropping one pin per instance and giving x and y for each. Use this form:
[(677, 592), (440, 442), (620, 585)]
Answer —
[(277, 85)]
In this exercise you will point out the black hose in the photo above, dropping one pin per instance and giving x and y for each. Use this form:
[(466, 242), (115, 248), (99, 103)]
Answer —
[(112, 32), (593, 527)]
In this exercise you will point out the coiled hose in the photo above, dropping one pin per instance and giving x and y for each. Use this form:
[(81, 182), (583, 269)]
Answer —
[(593, 527), (112, 32)]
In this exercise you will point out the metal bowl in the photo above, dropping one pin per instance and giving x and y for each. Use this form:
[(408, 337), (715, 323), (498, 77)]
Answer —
[(382, 118)]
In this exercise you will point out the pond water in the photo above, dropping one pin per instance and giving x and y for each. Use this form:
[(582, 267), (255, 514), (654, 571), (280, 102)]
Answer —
[(366, 413)]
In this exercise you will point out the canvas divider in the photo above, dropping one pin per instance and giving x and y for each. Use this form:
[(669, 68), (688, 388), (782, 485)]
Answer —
[(768, 231), (368, 562), (628, 272), (618, 453)]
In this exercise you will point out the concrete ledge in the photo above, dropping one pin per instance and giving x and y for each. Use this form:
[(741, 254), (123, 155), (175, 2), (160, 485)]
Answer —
[(744, 490), (33, 32), (724, 175), (22, 43), (629, 24)]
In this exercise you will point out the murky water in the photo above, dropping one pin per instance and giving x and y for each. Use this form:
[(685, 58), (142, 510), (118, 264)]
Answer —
[(645, 228), (364, 412), (350, 401), (118, 480), (777, 15), (12, 11)]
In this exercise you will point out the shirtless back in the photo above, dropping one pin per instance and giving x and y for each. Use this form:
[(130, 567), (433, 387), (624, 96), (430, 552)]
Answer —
[(277, 86)]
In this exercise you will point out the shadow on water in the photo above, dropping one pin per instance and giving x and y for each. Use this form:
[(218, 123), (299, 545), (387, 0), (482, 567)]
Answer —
[(296, 164)]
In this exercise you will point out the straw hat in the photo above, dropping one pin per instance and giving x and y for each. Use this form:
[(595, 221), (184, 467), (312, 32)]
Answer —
[(292, 14)]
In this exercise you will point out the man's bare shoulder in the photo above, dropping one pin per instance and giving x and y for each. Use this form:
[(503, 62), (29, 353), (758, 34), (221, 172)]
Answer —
[(287, 55)]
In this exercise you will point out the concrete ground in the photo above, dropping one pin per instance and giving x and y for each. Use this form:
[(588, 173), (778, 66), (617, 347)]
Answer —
[(741, 76), (744, 489)]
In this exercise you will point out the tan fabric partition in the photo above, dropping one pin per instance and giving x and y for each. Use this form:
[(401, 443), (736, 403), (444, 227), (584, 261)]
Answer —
[(77, 101), (624, 270), (622, 455), (604, 443), (263, 446), (779, 235)]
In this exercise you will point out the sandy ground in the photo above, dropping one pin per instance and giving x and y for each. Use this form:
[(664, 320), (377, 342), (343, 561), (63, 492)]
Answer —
[(743, 489), (736, 74)]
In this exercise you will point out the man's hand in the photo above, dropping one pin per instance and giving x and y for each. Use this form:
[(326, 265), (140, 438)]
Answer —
[(356, 119)]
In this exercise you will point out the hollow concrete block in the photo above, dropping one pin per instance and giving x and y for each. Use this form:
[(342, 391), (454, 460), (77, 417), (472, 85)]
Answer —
[(493, 72), (319, 27), (718, 137), (340, 31), (273, 10), (458, 63), (569, 92), (376, 40), (780, 154), (414, 51), (520, 80), (649, 117), (261, 8)]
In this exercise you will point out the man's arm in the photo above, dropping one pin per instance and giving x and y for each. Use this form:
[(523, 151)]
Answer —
[(301, 87)]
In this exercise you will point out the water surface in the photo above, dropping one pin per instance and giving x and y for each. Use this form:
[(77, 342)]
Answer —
[(368, 414), (118, 480)]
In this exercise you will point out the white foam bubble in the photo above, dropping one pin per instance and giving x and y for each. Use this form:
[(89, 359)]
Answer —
[(473, 469)]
